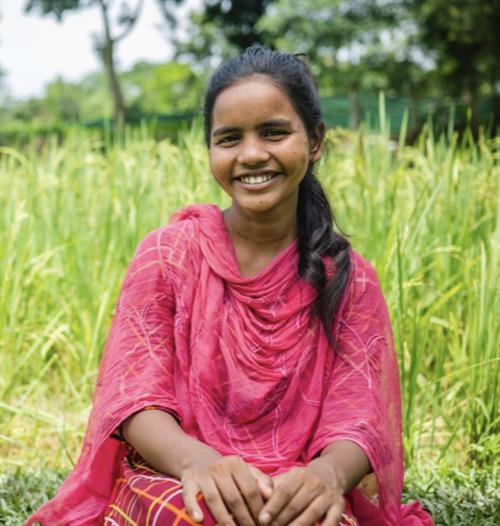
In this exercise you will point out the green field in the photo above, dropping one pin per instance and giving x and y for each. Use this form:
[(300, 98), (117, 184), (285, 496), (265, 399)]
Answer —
[(426, 215)]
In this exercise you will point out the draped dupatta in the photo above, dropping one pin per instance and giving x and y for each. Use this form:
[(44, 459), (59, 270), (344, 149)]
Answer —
[(244, 367)]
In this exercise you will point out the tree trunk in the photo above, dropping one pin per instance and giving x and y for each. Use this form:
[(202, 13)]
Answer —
[(107, 56), (114, 84)]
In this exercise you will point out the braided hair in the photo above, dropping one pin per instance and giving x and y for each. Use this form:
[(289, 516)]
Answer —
[(316, 232)]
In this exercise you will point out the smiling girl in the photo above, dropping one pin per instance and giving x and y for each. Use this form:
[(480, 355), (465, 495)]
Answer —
[(249, 377)]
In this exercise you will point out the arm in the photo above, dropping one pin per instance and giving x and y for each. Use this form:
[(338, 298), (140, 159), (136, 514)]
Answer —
[(362, 404), (228, 484), (345, 461), (146, 431), (356, 410), (143, 335)]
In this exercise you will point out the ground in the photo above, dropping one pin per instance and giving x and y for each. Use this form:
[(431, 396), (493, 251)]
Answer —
[(459, 499)]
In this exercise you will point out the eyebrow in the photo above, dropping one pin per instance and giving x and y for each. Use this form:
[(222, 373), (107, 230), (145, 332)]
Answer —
[(224, 129), (285, 123)]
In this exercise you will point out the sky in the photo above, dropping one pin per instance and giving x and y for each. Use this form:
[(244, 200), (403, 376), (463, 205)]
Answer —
[(35, 50)]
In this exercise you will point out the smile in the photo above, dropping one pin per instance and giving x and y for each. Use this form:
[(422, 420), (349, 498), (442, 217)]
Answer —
[(257, 179)]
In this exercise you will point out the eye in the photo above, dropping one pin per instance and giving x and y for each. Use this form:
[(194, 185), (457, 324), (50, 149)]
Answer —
[(227, 140), (274, 134)]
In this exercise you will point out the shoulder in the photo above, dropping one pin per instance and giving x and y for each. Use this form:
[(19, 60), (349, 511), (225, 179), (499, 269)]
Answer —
[(362, 269), (364, 285), (177, 244)]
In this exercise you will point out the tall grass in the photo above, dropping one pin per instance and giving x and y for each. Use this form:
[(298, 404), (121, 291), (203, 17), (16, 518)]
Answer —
[(426, 216)]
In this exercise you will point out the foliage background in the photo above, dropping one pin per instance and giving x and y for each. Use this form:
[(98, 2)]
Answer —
[(446, 50), (90, 167)]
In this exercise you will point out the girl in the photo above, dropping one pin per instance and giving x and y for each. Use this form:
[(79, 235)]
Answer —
[(249, 377)]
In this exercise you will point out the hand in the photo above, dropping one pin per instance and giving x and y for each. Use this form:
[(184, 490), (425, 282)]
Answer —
[(233, 490), (303, 496)]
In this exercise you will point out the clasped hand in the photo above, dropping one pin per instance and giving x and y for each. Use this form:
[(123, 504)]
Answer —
[(238, 493)]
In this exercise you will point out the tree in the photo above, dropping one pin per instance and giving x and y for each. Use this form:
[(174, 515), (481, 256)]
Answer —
[(347, 42), (463, 38), (63, 100), (106, 42), (223, 28), (351, 45), (162, 88)]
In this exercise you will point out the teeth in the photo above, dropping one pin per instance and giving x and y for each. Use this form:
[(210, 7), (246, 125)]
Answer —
[(256, 179)]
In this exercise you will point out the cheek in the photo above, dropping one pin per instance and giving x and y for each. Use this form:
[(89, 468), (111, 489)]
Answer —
[(216, 163), (295, 154), (296, 160)]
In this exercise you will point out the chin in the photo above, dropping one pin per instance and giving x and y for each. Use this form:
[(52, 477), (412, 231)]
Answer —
[(256, 206)]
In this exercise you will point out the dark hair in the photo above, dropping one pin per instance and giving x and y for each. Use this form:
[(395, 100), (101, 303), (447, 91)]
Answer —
[(316, 234)]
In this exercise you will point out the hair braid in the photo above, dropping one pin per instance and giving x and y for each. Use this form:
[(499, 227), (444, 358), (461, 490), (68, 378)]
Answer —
[(317, 237)]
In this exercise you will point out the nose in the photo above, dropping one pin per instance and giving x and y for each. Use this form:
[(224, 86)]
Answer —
[(252, 152)]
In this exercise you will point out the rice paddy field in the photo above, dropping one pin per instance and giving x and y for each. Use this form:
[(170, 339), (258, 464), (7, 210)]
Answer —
[(426, 215)]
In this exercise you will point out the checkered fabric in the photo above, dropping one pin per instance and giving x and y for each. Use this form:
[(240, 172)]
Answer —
[(145, 497)]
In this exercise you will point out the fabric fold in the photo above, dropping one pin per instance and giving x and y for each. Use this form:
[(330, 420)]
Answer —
[(244, 367)]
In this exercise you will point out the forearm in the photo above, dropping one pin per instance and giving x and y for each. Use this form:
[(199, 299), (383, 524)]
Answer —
[(161, 442), (347, 460)]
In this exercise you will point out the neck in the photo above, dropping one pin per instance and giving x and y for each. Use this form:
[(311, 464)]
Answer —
[(262, 232)]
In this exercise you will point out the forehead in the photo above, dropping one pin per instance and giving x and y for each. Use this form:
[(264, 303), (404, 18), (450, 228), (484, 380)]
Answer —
[(250, 101)]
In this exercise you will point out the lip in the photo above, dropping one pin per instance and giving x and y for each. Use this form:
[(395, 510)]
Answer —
[(254, 173), (258, 186)]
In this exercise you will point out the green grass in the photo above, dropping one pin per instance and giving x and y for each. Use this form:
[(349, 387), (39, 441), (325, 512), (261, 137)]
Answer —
[(426, 215), (459, 498), (21, 493)]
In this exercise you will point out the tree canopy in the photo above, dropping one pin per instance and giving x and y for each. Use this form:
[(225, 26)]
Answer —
[(443, 48), (105, 43)]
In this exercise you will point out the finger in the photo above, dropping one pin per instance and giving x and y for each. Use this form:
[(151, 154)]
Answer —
[(299, 505), (334, 516), (234, 501), (264, 482), (313, 512), (250, 491), (283, 492), (190, 492), (277, 479), (215, 502)]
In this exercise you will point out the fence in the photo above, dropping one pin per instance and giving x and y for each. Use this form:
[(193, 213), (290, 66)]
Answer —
[(347, 112), (338, 112)]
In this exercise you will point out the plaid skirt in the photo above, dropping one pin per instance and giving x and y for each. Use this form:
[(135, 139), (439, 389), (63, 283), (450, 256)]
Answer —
[(143, 496)]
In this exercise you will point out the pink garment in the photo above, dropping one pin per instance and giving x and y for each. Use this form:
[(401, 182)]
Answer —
[(245, 368), (144, 496)]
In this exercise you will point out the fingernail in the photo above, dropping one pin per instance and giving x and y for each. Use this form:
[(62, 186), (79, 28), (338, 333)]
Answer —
[(264, 518), (197, 516)]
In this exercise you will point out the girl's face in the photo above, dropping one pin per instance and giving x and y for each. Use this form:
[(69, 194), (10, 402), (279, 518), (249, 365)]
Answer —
[(259, 147)]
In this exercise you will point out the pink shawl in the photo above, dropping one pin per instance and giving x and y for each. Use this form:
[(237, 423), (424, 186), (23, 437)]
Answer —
[(244, 367)]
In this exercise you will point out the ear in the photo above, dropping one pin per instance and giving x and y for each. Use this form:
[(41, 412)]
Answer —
[(317, 142)]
